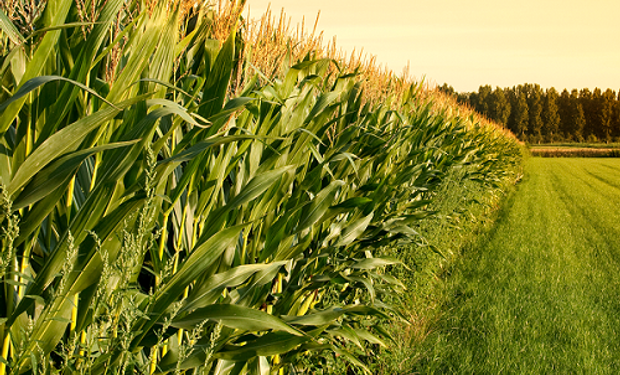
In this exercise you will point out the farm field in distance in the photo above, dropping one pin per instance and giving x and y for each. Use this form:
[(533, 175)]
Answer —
[(576, 145), (576, 150), (538, 294)]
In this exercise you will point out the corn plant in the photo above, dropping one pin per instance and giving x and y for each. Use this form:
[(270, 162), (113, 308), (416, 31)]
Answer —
[(168, 209)]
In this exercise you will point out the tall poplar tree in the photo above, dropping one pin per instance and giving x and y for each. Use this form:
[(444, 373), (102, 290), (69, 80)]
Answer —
[(577, 120), (520, 113), (589, 112), (499, 106), (551, 116), (482, 100), (615, 119), (605, 107), (564, 111), (535, 105)]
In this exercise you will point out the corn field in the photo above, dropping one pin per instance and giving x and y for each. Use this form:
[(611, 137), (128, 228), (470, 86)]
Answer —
[(168, 207)]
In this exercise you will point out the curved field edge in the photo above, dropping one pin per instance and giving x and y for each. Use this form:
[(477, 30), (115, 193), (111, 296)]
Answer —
[(537, 293), (467, 211), (167, 208)]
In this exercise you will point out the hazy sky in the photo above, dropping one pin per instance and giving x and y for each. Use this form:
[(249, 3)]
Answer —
[(468, 43)]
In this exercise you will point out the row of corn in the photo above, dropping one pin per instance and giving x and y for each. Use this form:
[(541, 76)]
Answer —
[(156, 220)]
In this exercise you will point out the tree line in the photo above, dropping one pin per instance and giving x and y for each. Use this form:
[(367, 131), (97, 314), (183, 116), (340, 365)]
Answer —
[(536, 115)]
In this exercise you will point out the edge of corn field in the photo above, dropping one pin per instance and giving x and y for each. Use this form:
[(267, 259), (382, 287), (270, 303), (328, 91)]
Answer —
[(186, 193)]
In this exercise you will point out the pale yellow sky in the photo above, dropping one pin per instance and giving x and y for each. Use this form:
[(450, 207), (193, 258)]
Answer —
[(559, 43)]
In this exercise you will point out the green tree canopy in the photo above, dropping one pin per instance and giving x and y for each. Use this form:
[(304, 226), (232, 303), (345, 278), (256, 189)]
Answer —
[(499, 106), (551, 116), (577, 118)]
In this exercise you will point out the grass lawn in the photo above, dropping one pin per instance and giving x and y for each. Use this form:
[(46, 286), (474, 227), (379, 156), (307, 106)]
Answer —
[(539, 294)]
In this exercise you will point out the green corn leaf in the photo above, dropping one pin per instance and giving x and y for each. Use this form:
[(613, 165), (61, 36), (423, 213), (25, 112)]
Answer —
[(354, 230), (231, 107), (58, 174), (348, 334), (206, 292), (34, 83), (237, 317), (117, 162), (168, 85), (355, 202), (62, 141), (88, 217), (267, 345), (70, 25), (258, 185), (82, 67), (37, 214), (367, 284), (326, 317), (55, 14), (320, 204), (202, 146), (54, 328), (173, 107), (367, 336), (218, 79), (201, 257), (323, 102), (138, 62)]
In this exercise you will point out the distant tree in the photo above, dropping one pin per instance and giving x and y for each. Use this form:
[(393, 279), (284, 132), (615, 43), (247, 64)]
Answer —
[(519, 116), (447, 89), (551, 116), (589, 112), (482, 100), (499, 106), (534, 101), (463, 98), (564, 109), (615, 119), (472, 99), (511, 97), (595, 125), (577, 118), (604, 110), (536, 115)]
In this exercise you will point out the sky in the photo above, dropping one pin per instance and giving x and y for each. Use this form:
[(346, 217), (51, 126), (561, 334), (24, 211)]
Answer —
[(469, 43)]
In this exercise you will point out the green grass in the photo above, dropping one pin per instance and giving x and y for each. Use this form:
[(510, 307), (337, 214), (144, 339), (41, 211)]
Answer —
[(465, 208), (539, 293)]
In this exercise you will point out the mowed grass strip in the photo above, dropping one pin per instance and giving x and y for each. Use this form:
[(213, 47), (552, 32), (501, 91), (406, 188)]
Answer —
[(539, 294)]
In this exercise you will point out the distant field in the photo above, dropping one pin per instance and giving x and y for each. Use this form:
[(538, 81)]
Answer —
[(577, 145), (576, 150), (539, 294)]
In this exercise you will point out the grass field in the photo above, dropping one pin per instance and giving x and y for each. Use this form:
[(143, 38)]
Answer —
[(539, 293)]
